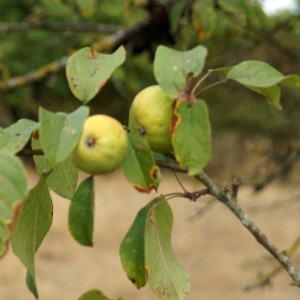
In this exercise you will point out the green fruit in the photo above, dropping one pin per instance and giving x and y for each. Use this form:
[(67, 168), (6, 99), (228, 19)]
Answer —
[(102, 145), (152, 110)]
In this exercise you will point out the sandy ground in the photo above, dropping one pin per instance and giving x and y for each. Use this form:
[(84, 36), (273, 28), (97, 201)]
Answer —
[(220, 255)]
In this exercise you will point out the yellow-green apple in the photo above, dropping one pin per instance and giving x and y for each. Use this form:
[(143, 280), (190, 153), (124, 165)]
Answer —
[(152, 110), (102, 145)]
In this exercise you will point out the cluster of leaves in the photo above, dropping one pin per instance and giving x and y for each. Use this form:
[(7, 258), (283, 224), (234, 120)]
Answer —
[(69, 23), (146, 253), (206, 21)]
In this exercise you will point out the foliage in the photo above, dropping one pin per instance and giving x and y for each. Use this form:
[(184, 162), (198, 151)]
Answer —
[(146, 251), (232, 31)]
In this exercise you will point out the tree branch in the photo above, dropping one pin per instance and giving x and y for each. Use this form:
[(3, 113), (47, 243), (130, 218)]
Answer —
[(136, 39), (232, 204), (30, 152), (81, 27), (32, 76), (265, 279)]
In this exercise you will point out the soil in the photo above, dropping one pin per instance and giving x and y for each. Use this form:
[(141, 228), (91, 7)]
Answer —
[(220, 255)]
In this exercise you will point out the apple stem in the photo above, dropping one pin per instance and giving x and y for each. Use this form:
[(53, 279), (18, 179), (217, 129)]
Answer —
[(210, 86), (199, 82), (180, 183)]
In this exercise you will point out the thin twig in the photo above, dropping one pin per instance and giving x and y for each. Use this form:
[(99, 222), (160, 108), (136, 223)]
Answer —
[(81, 27), (193, 196), (181, 185), (265, 279), (199, 82), (235, 188), (261, 238), (30, 152), (33, 76), (121, 37), (234, 207), (211, 86)]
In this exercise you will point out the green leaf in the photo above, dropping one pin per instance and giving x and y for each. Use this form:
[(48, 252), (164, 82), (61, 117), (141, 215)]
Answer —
[(133, 247), (255, 74), (292, 81), (132, 124), (15, 137), (13, 188), (204, 19), (220, 70), (64, 176), (191, 135), (160, 157), (58, 9), (176, 13), (223, 24), (172, 69), (94, 295), (272, 94), (60, 132), (32, 224), (81, 213), (63, 179), (146, 252), (166, 276), (88, 71), (31, 284), (233, 6), (86, 7), (139, 165)]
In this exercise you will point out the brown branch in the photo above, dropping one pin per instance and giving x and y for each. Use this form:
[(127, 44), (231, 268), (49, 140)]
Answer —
[(30, 152), (255, 38), (261, 238), (81, 27), (193, 196), (32, 76), (234, 207), (136, 39), (265, 279)]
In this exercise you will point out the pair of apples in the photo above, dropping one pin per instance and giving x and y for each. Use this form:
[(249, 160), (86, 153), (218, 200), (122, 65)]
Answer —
[(103, 143)]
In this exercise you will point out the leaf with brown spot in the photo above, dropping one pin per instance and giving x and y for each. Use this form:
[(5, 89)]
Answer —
[(132, 249), (87, 71), (191, 135), (60, 132), (15, 137), (166, 276), (204, 19), (139, 165)]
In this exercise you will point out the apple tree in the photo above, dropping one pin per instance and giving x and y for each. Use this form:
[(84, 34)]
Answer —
[(169, 120), (168, 128)]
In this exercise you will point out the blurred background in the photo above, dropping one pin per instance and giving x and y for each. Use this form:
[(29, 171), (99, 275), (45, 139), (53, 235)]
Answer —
[(252, 141)]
